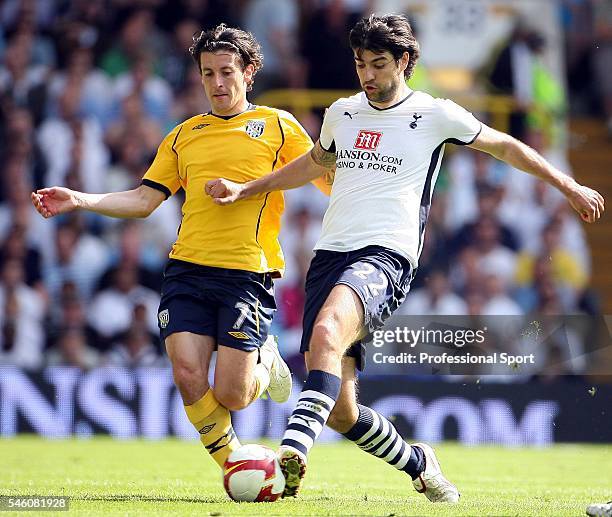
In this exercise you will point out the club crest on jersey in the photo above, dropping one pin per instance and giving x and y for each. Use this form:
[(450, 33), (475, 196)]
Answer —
[(255, 128), (367, 140), (164, 318)]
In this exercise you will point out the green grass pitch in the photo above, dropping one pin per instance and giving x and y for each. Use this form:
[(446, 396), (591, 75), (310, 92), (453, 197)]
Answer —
[(103, 476)]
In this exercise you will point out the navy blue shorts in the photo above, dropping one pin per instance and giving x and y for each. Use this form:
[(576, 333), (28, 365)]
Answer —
[(381, 277), (233, 306)]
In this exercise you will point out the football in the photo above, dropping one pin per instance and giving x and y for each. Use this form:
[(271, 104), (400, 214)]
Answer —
[(252, 473)]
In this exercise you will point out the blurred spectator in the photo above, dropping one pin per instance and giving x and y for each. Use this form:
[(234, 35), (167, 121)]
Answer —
[(142, 246), (15, 247), (134, 349), (326, 48), (21, 84), (277, 37), (79, 258), (497, 300), (154, 92), (543, 292), (131, 161), (602, 55), (206, 13), (488, 200), (111, 310), (190, 101), (72, 349), (493, 257), (465, 275), (39, 13), (435, 298), (136, 35), (95, 99), (20, 147), (565, 269), (511, 73), (17, 210), (136, 126), (178, 62), (22, 311), (73, 145)]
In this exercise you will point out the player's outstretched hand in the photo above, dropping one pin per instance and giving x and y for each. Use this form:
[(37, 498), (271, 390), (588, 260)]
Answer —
[(53, 201), (587, 202), (223, 191)]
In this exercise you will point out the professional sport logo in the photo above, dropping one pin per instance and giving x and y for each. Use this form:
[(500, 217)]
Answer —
[(367, 140), (255, 128)]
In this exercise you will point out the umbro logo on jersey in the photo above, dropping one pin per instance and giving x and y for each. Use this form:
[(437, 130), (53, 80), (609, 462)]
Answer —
[(350, 115), (416, 117), (367, 140), (199, 126), (255, 128), (239, 335)]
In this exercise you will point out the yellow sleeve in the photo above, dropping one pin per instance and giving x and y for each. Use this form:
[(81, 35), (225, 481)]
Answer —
[(297, 142), (163, 174)]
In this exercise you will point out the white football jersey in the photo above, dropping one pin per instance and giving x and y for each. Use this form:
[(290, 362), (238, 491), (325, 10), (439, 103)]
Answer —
[(387, 163)]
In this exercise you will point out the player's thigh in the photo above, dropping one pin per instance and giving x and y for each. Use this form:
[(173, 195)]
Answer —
[(190, 355), (340, 321), (243, 324)]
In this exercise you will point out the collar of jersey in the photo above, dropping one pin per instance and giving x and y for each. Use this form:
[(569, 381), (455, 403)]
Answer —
[(250, 107), (395, 105)]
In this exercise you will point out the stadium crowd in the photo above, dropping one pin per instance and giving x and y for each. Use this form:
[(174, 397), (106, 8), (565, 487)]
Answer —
[(88, 89)]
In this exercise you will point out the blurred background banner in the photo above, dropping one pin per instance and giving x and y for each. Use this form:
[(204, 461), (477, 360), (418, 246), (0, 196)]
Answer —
[(61, 402), (88, 89)]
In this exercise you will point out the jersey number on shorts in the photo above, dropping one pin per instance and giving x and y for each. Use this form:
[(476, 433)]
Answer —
[(244, 312), (372, 288)]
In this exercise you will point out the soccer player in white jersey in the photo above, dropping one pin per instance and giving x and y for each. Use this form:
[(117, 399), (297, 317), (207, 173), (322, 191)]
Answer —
[(386, 144)]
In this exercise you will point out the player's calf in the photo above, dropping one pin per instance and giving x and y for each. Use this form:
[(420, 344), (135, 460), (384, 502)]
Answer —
[(374, 434)]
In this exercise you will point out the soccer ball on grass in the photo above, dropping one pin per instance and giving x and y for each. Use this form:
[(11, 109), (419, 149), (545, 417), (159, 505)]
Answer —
[(252, 473)]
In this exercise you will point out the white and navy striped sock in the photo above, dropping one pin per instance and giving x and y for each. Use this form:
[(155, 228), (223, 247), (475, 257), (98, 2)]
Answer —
[(316, 401), (374, 434)]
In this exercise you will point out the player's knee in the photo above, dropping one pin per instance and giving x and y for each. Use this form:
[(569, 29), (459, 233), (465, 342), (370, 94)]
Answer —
[(190, 378), (232, 398), (343, 416), (325, 338)]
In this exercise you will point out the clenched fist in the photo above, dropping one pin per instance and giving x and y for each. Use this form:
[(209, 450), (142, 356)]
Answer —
[(223, 191)]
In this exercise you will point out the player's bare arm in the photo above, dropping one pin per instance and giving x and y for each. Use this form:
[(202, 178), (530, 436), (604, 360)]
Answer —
[(300, 171), (587, 202), (139, 202)]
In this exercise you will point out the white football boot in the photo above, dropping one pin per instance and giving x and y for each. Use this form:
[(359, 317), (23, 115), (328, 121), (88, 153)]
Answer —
[(293, 466), (432, 482), (600, 510), (281, 383)]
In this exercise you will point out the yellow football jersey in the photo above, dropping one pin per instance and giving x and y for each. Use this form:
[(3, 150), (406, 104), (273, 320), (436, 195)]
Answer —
[(240, 148)]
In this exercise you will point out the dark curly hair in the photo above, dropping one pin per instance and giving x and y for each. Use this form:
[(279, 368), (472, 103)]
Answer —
[(237, 41), (391, 33)]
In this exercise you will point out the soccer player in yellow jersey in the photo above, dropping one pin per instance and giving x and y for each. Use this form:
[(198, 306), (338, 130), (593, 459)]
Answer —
[(217, 292)]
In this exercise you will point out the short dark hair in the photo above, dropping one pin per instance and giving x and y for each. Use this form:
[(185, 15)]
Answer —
[(222, 37), (391, 33)]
